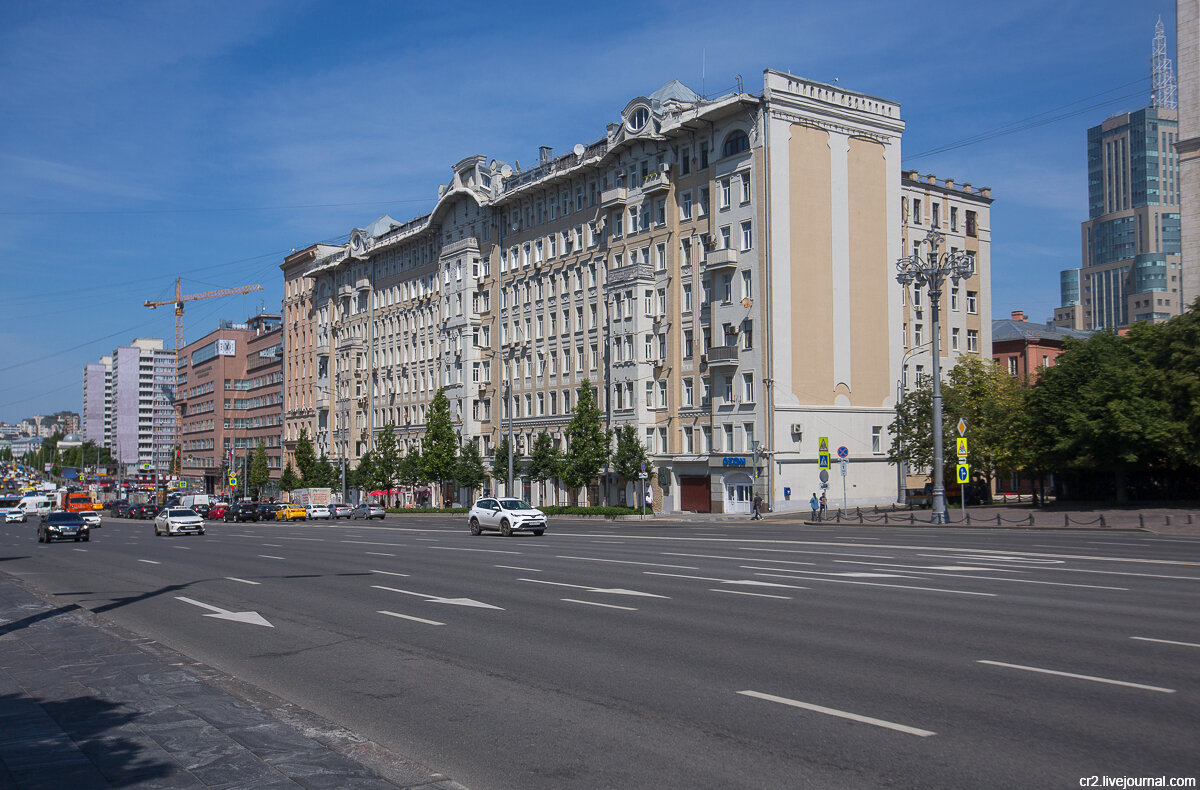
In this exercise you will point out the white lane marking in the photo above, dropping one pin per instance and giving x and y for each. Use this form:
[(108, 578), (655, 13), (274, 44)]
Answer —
[(875, 584), (1165, 641), (829, 553), (250, 618), (977, 558), (437, 599), (318, 540), (274, 545), (631, 562), (1114, 543), (379, 554), (433, 539), (390, 573), (243, 581), (151, 562), (518, 568), (605, 605), (185, 548), (739, 559), (927, 567), (484, 551), (851, 574), (1193, 541), (270, 557), (840, 714), (745, 582), (410, 617), (747, 592), (609, 590), (1093, 678), (373, 543), (80, 549), (1021, 581)]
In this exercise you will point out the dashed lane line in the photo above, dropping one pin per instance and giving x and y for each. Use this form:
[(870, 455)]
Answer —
[(630, 562), (1165, 641), (875, 584), (746, 592), (841, 714), (410, 617), (518, 568), (1092, 678), (604, 605), (243, 581), (270, 557)]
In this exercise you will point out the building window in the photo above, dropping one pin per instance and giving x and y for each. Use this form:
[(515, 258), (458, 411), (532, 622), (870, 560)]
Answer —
[(971, 229), (746, 187), (687, 298), (877, 439), (954, 339), (954, 218), (689, 395), (725, 193), (735, 143), (954, 298), (747, 236), (747, 388), (685, 208), (973, 340), (935, 219), (1012, 366), (689, 440), (972, 302), (916, 212), (918, 338), (687, 344)]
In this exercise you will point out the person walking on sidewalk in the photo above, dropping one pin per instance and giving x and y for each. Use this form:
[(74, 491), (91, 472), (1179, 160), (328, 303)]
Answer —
[(815, 505), (757, 508), (824, 512)]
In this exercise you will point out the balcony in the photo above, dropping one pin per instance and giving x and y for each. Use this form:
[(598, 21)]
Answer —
[(630, 273), (616, 196), (722, 355), (654, 183), (720, 259)]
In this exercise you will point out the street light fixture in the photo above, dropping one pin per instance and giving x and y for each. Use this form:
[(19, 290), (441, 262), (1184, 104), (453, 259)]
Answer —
[(931, 271)]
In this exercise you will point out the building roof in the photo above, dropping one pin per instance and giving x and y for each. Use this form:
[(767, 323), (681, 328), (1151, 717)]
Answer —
[(674, 91), (1006, 329)]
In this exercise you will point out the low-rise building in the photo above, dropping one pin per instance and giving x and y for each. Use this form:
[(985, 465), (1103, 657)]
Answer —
[(1024, 348)]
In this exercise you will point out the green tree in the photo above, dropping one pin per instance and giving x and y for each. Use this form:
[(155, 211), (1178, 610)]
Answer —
[(260, 471), (912, 441), (365, 475), (410, 469), (587, 441), (544, 461), (288, 481), (991, 401), (468, 471), (306, 460), (630, 454), (500, 464), (386, 459), (440, 448)]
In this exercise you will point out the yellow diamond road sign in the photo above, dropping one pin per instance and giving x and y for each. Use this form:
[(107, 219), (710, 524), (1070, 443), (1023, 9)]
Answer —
[(962, 426)]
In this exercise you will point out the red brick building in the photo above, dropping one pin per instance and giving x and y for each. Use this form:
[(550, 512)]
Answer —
[(1022, 348)]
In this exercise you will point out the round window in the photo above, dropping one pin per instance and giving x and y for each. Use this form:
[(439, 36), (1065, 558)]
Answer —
[(639, 118)]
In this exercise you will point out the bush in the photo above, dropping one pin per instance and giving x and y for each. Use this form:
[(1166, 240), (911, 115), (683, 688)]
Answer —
[(611, 512)]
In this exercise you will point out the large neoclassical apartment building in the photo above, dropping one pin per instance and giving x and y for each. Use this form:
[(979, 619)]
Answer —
[(722, 269)]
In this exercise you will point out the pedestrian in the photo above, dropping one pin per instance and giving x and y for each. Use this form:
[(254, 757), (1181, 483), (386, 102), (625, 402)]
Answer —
[(823, 513), (816, 506), (757, 508)]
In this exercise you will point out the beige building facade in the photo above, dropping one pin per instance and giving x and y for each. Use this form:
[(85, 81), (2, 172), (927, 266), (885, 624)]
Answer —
[(722, 269), (1187, 29)]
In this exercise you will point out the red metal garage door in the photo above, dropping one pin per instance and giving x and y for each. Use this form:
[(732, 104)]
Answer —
[(695, 494)]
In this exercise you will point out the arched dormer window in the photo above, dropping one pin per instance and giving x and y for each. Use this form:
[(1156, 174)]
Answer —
[(735, 143)]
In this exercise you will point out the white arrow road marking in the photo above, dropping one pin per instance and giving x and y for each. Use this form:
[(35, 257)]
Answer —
[(747, 582), (609, 590), (253, 618), (436, 599)]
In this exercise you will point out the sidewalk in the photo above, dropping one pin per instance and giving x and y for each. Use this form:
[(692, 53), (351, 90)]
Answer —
[(84, 706)]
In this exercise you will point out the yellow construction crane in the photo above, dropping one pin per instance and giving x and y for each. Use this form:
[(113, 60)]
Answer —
[(178, 301)]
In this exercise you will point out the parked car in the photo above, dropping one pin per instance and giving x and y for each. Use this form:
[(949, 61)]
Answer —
[(318, 511), (290, 513), (341, 510), (59, 524), (242, 511), (176, 520), (506, 515), (368, 510), (216, 511), (267, 512)]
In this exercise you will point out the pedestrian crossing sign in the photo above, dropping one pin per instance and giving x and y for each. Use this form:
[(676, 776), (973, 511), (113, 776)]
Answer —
[(822, 460), (823, 444), (962, 447)]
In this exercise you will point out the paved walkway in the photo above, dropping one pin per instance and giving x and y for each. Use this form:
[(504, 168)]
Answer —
[(84, 706)]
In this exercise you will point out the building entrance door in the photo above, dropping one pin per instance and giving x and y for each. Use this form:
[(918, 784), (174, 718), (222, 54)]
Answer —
[(739, 492)]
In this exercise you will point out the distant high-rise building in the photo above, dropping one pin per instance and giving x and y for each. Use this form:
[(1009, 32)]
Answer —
[(143, 422), (1131, 241), (97, 402), (1187, 27)]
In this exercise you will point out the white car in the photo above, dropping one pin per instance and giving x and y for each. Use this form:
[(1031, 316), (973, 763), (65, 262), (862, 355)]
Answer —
[(91, 518), (14, 516), (318, 511), (506, 515), (176, 520)]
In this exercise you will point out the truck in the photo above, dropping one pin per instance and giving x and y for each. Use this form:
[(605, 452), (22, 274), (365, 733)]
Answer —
[(75, 502), (192, 500), (310, 496)]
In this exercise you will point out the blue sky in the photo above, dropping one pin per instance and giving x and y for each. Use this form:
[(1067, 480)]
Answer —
[(145, 141)]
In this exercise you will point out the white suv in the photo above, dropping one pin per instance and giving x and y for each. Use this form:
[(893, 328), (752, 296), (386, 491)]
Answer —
[(506, 515)]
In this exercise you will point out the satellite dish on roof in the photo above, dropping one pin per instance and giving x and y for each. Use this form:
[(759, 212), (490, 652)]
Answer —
[(578, 149), (506, 171)]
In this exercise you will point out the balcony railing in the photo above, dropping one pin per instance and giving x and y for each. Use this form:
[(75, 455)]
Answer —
[(723, 355), (617, 196), (655, 182), (631, 272), (720, 259)]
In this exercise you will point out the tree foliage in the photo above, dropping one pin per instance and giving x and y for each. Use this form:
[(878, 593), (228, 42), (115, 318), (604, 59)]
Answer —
[(306, 460), (468, 470), (386, 459), (260, 471), (440, 448), (630, 454), (289, 481), (587, 440)]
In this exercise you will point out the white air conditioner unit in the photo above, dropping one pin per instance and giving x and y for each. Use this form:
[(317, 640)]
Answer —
[(797, 428), (665, 167)]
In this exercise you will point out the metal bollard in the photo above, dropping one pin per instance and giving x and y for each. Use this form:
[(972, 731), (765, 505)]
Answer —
[(1141, 521), (1168, 518), (1103, 523), (1066, 520)]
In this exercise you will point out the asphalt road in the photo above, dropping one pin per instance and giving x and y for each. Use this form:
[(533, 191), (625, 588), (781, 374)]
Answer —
[(704, 655)]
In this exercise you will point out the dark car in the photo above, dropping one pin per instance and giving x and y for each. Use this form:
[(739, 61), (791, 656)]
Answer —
[(267, 512), (202, 509), (61, 524), (144, 512), (122, 510), (241, 511), (115, 505)]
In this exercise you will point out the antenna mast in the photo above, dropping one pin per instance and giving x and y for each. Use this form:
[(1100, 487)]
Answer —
[(1162, 74)]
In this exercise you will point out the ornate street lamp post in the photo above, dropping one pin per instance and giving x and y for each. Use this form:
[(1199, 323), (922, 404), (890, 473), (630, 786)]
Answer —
[(931, 271)]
